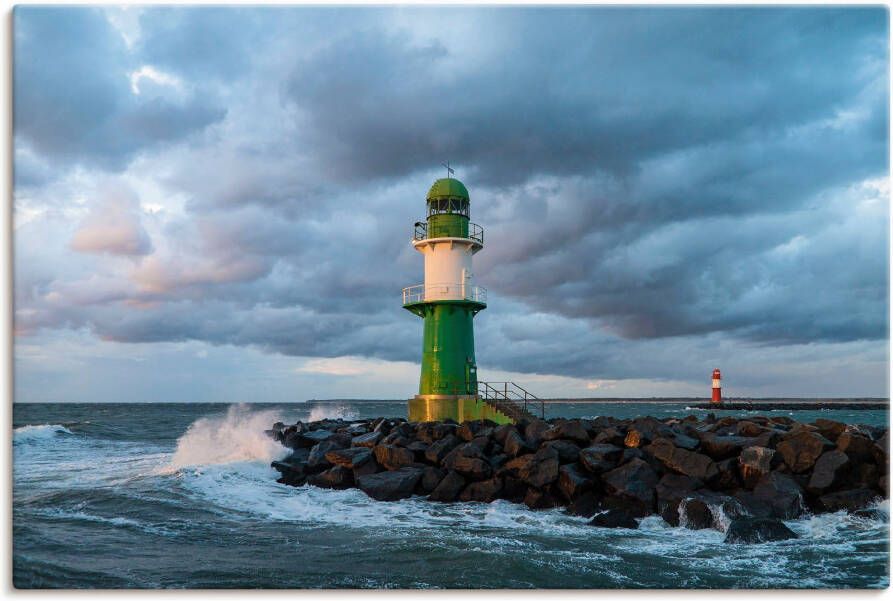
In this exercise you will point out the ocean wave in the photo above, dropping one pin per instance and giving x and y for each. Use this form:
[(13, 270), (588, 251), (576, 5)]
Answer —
[(321, 412), (38, 433)]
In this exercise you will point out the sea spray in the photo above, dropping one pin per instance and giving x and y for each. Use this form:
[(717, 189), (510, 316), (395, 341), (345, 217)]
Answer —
[(236, 436), (321, 412)]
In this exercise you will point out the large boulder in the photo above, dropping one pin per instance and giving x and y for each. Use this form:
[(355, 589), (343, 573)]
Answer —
[(723, 447), (468, 460), (781, 494), (634, 481), (754, 463), (568, 452), (500, 432), (573, 481), (830, 429), (611, 436), (350, 458), (691, 464), (828, 471), (515, 444), (367, 440), (337, 477), (541, 499), (801, 449), (850, 500), (392, 457), (615, 518), (310, 439), (757, 530), (392, 485), (316, 460), (857, 447), (537, 469), (485, 491), (533, 432), (438, 450), (431, 477), (570, 429), (670, 491), (600, 458), (448, 489)]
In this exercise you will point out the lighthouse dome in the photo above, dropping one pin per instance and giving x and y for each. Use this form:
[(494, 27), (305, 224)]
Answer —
[(448, 188)]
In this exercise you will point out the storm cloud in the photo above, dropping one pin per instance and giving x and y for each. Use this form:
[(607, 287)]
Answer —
[(661, 188)]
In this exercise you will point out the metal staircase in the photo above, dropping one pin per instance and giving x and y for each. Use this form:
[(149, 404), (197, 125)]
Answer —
[(512, 400)]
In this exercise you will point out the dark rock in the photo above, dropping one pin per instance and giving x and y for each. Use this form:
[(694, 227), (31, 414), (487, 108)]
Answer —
[(728, 475), (830, 429), (635, 480), (485, 491), (391, 485), (533, 433), (418, 449), (670, 491), (723, 447), (754, 463), (370, 467), (448, 489), (367, 440), (694, 465), (694, 514), (585, 505), (857, 447), (685, 442), (568, 452), (849, 500), (781, 493), (316, 461), (768, 439), (497, 461), (350, 458), (630, 454), (870, 514), (431, 477), (828, 471), (573, 481), (757, 530), (600, 458), (500, 432), (748, 429), (515, 445), (612, 436), (540, 499), (469, 430), (537, 469), (513, 489), (801, 449), (570, 429), (440, 449), (615, 518), (468, 460), (337, 477), (392, 457), (292, 474)]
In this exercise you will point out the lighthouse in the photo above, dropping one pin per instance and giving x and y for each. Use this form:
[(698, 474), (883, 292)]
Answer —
[(448, 301), (717, 389)]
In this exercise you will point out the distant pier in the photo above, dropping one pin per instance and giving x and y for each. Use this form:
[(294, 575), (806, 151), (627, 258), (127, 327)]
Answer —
[(793, 406)]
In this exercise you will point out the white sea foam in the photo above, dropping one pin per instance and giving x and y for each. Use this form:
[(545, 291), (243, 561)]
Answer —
[(32, 434), (331, 412), (237, 436)]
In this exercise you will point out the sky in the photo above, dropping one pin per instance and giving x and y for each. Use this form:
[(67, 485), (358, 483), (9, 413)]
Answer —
[(216, 204)]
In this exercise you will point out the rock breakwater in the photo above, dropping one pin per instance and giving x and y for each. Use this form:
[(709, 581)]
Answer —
[(713, 473)]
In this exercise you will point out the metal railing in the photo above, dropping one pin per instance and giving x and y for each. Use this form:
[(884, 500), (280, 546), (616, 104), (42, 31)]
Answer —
[(421, 293), (421, 232), (512, 400)]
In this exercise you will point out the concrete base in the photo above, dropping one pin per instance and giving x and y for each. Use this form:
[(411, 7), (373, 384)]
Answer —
[(438, 407)]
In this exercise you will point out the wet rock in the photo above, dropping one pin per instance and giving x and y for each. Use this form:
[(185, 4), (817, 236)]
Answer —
[(685, 442), (611, 436), (757, 530), (540, 499), (694, 514), (850, 500), (754, 463), (418, 449), (513, 489), (570, 429), (336, 477), (485, 491), (370, 467), (670, 491), (393, 457), (828, 471), (468, 460), (391, 485), (367, 440), (440, 449), (350, 458), (292, 474), (537, 469), (431, 477), (584, 505), (568, 452), (573, 481), (723, 447), (316, 460), (728, 475), (515, 445), (309, 439), (871, 514), (615, 518), (600, 458), (448, 489), (693, 465), (857, 447), (635, 481), (782, 494), (801, 449)]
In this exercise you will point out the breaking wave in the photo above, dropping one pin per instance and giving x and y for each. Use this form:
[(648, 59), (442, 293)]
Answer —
[(44, 432)]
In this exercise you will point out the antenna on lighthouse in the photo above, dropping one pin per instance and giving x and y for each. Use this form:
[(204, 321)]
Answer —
[(450, 171)]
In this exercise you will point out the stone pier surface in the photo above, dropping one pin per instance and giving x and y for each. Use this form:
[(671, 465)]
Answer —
[(747, 472)]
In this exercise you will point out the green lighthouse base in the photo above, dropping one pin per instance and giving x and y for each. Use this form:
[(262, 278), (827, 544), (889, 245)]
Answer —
[(461, 408)]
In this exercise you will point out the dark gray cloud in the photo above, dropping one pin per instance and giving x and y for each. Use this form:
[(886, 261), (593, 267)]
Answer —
[(653, 183)]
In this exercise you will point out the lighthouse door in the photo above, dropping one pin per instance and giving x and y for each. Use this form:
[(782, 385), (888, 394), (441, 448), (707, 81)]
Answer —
[(471, 378)]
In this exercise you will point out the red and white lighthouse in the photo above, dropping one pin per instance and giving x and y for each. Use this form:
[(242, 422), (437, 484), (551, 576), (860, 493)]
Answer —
[(717, 389)]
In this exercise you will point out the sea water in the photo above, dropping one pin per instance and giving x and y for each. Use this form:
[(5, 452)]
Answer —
[(182, 495)]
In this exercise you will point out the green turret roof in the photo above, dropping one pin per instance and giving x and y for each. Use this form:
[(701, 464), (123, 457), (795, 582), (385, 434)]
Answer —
[(448, 188)]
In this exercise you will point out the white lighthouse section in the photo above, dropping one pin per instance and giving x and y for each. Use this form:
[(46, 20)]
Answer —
[(448, 273)]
